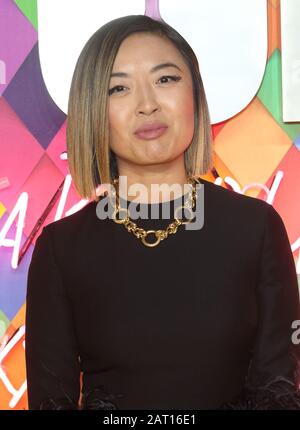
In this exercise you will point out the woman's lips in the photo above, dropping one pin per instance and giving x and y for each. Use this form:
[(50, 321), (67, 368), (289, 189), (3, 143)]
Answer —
[(151, 134)]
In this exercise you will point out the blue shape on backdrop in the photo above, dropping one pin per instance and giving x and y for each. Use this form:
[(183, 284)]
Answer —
[(13, 282)]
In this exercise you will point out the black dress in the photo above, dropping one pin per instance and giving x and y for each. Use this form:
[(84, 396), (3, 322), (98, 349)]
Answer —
[(201, 321)]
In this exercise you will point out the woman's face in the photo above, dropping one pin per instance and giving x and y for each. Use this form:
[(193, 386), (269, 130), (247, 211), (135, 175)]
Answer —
[(145, 96)]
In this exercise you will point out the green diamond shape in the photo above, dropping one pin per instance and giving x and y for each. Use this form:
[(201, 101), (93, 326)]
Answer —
[(270, 94), (29, 9), (4, 323)]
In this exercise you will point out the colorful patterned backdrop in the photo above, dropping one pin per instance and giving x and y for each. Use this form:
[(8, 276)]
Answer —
[(254, 146)]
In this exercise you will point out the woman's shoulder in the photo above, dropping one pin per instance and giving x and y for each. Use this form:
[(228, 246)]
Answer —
[(232, 213), (73, 231), (75, 234), (75, 221), (229, 201)]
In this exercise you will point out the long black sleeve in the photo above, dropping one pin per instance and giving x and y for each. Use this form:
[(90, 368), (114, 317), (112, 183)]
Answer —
[(52, 360), (273, 379)]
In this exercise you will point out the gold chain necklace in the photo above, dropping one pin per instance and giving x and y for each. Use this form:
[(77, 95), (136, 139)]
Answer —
[(142, 234)]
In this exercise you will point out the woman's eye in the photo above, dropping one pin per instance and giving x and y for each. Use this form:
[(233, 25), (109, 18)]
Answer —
[(112, 90), (173, 78)]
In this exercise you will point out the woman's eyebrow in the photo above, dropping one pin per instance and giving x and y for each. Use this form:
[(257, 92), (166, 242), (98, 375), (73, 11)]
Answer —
[(154, 69)]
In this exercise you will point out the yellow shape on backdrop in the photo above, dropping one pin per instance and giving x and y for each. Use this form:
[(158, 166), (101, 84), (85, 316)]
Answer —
[(2, 209)]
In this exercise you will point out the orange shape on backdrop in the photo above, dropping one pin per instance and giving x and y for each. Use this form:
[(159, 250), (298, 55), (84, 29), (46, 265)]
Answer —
[(252, 156), (274, 3), (222, 169), (274, 29), (19, 318), (13, 366)]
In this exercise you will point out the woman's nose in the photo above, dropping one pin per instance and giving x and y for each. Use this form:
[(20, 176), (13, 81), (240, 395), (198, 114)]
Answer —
[(146, 101), (147, 111)]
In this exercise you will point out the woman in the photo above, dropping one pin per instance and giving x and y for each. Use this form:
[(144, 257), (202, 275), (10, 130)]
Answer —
[(174, 318)]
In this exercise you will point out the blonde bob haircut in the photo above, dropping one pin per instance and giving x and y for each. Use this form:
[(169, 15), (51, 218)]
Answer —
[(91, 161)]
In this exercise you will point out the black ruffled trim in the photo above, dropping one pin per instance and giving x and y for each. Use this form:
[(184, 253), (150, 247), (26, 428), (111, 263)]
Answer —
[(64, 402), (278, 394), (99, 399), (58, 404)]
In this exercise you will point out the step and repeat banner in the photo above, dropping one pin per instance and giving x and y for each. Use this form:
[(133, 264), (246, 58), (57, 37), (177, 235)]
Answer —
[(249, 59)]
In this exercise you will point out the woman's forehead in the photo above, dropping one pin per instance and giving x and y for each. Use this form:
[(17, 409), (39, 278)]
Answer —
[(150, 55)]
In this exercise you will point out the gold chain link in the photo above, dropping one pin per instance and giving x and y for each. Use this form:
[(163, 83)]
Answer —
[(160, 235)]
